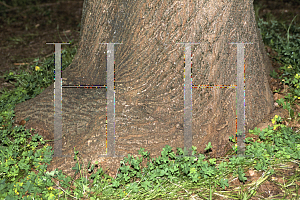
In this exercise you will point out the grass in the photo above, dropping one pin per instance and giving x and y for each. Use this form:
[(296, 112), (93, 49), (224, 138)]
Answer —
[(24, 156)]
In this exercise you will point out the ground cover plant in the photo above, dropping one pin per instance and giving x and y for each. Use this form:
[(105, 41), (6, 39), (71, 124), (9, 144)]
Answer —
[(24, 155)]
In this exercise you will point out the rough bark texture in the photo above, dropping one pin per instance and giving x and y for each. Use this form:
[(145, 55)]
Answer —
[(149, 78)]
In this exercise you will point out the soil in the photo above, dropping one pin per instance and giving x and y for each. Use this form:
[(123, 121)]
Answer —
[(25, 31)]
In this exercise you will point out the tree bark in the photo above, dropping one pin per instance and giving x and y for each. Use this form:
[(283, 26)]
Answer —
[(149, 79)]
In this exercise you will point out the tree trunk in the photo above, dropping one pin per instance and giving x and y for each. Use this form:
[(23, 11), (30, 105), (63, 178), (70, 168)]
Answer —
[(149, 79)]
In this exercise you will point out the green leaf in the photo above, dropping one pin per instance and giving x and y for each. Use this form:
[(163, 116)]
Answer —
[(208, 146)]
